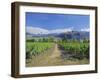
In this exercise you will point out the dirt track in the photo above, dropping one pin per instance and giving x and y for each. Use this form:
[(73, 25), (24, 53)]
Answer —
[(56, 52)]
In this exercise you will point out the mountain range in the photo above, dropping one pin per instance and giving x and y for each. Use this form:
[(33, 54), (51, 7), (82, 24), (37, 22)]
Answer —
[(32, 32)]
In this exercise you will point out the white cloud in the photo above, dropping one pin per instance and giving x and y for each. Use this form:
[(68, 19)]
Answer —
[(85, 29), (61, 30), (37, 30)]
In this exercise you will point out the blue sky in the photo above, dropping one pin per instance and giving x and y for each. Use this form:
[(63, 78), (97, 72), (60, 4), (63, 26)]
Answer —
[(57, 21)]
